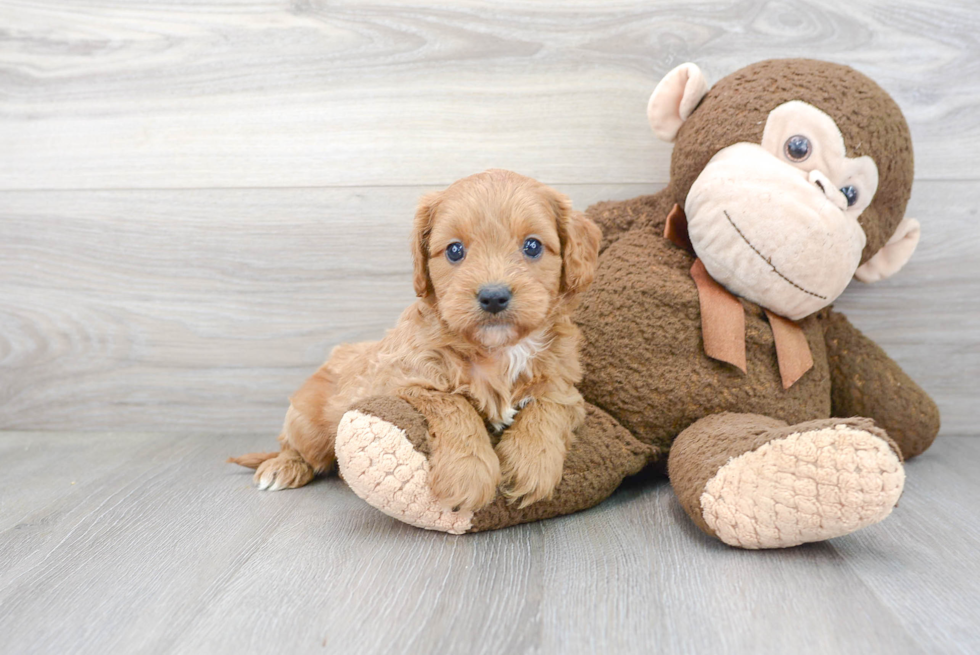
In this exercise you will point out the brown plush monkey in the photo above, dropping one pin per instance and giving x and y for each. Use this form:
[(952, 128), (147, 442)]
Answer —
[(710, 342)]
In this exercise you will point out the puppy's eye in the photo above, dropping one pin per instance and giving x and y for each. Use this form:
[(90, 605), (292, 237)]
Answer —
[(851, 193), (532, 248), (797, 148), (455, 252)]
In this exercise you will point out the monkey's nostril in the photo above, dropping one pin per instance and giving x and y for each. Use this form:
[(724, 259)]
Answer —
[(829, 190), (494, 299)]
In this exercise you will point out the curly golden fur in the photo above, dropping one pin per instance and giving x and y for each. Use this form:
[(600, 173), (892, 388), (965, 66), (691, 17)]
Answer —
[(469, 371)]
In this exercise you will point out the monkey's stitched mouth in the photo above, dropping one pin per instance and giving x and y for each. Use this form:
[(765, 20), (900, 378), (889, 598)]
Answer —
[(768, 261)]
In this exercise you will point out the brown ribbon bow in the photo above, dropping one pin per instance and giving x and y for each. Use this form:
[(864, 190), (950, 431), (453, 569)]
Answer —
[(723, 318)]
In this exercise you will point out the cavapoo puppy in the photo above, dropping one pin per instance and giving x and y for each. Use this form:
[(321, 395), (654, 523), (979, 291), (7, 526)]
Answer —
[(488, 349)]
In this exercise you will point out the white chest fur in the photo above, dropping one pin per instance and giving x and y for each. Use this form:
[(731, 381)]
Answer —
[(518, 361), (521, 355)]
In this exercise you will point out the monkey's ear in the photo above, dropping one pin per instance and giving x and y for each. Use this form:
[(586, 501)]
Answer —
[(424, 217), (893, 255), (674, 99)]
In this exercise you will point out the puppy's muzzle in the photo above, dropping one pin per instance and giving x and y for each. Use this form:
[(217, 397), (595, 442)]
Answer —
[(494, 298)]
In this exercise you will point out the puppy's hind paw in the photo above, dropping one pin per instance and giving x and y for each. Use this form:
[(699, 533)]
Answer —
[(466, 482), (285, 471)]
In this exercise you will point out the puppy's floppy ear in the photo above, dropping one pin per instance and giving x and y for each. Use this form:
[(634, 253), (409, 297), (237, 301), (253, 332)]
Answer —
[(580, 239), (424, 217)]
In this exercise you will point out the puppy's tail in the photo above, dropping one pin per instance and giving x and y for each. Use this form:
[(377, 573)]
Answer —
[(251, 460)]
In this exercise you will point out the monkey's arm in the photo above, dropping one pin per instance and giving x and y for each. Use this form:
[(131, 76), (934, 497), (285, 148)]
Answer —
[(867, 382), (617, 217)]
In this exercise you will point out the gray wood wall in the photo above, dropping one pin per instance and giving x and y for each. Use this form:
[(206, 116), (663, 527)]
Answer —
[(198, 200)]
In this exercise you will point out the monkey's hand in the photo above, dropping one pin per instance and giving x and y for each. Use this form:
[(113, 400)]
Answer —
[(867, 382)]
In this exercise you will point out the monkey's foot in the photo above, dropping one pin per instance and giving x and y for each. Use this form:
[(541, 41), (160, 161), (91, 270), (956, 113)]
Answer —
[(379, 462), (383, 454), (807, 486)]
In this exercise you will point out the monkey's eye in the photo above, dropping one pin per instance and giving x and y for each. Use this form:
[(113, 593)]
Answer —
[(455, 252), (532, 248), (851, 194), (797, 148)]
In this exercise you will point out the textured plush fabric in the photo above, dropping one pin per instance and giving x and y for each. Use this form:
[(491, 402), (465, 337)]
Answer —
[(805, 487), (399, 412), (756, 482), (866, 382), (377, 461), (703, 448), (643, 353), (381, 451)]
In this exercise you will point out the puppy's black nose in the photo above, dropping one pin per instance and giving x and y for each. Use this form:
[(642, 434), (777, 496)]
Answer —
[(494, 298)]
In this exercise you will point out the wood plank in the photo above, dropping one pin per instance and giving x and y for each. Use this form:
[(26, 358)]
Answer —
[(262, 94), (203, 310), (168, 549)]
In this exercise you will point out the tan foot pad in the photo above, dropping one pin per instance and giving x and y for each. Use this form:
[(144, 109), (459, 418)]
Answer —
[(808, 486), (379, 463)]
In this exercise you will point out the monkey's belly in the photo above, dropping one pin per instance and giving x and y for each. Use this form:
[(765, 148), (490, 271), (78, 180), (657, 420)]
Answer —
[(643, 354)]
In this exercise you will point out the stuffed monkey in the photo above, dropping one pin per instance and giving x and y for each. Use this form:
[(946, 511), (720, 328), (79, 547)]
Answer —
[(710, 343)]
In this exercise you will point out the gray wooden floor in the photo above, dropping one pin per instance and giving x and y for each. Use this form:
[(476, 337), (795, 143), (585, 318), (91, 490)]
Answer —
[(199, 199), (125, 543)]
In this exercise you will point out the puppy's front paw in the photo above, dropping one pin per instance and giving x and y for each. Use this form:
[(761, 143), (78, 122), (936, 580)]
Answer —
[(529, 472), (464, 481), (285, 471)]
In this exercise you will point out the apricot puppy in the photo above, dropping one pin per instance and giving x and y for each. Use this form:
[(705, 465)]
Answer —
[(488, 354)]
